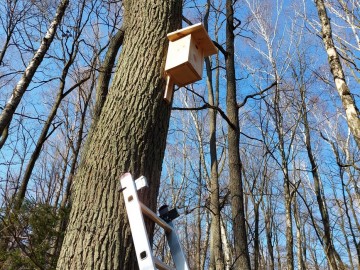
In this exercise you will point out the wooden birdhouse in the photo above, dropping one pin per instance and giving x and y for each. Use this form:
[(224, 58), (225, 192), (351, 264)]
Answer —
[(185, 58)]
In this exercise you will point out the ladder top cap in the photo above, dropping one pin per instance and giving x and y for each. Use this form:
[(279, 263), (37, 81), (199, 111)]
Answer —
[(199, 34), (127, 174)]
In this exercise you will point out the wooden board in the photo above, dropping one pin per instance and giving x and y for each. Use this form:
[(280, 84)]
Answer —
[(178, 52), (183, 75), (200, 35)]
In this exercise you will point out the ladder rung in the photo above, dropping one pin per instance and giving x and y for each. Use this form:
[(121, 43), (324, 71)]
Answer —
[(150, 214), (161, 265)]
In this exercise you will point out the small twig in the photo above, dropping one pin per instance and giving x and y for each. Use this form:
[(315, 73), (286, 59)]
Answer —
[(75, 86), (238, 23), (224, 52), (26, 116), (186, 20)]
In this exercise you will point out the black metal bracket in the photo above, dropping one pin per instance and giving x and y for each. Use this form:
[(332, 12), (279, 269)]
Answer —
[(166, 214)]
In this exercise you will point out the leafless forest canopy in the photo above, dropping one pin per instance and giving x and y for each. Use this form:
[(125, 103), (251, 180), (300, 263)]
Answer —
[(262, 154)]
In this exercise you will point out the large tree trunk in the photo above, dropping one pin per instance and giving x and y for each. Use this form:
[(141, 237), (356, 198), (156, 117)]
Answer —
[(241, 256), (130, 136), (348, 102)]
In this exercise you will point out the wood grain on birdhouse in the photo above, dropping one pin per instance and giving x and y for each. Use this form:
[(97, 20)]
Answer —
[(185, 61)]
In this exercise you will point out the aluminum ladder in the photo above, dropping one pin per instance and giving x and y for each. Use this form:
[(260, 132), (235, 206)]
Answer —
[(135, 211)]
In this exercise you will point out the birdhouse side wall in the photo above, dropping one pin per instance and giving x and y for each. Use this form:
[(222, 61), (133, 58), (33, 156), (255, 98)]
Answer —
[(196, 57)]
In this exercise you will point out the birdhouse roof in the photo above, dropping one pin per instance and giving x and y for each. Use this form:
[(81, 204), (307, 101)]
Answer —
[(199, 34)]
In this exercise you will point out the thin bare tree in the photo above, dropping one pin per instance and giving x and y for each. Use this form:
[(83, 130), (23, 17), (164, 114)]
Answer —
[(348, 102), (19, 90)]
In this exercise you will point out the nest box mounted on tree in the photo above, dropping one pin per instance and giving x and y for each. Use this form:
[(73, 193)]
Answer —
[(185, 58)]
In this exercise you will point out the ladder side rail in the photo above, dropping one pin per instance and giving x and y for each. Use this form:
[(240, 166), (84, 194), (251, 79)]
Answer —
[(161, 265), (176, 249), (137, 224)]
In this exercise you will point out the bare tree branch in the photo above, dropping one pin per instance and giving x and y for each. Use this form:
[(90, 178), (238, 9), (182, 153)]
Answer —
[(256, 94)]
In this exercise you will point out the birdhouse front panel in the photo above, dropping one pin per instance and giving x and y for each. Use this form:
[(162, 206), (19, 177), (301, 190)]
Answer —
[(178, 53), (184, 62)]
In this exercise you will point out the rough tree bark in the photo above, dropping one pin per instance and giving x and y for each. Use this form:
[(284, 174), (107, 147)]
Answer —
[(105, 72), (348, 102), (130, 136), (241, 256), (101, 94), (102, 88), (73, 165), (22, 85)]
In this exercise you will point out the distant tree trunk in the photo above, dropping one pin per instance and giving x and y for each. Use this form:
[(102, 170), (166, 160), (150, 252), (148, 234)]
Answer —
[(22, 85), (345, 202), (269, 238), (313, 254), (205, 244), (256, 236), (289, 225), (287, 186), (327, 242), (198, 228), (288, 194), (20, 195), (226, 246), (241, 256), (62, 177), (348, 102), (299, 236), (277, 245), (345, 234), (215, 241), (216, 250), (197, 257), (102, 88), (130, 136)]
